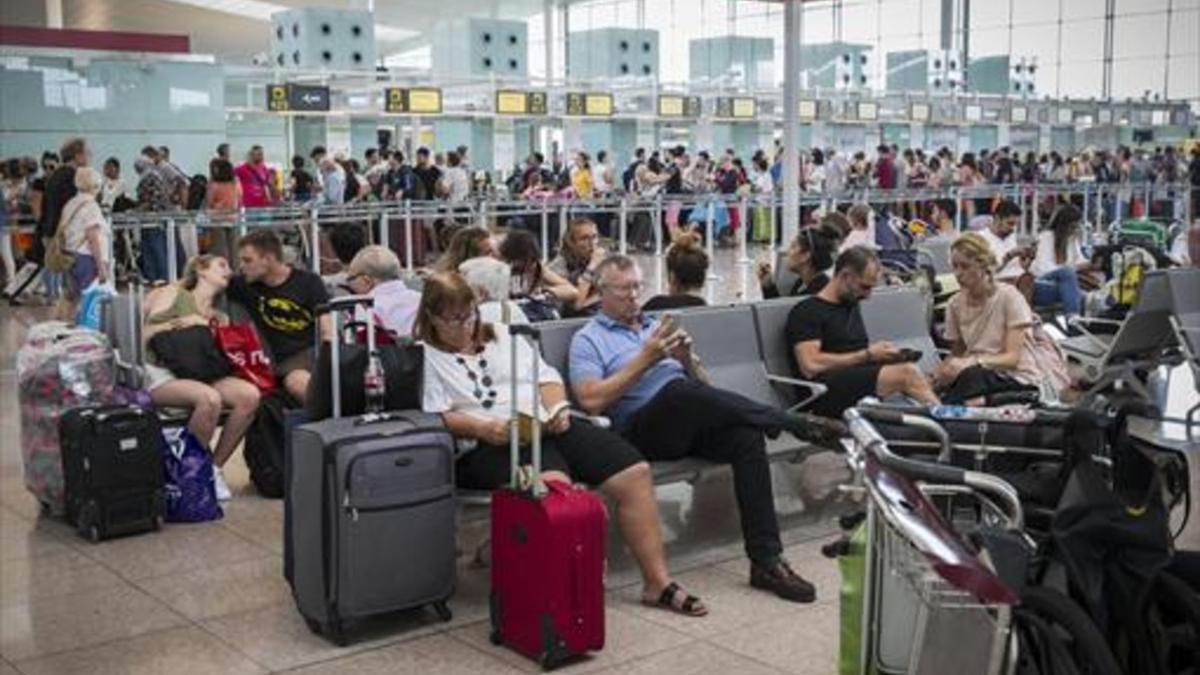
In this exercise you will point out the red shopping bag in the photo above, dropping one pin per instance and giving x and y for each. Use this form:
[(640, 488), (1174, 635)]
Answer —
[(239, 342)]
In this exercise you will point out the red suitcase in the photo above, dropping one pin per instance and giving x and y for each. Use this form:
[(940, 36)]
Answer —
[(547, 599)]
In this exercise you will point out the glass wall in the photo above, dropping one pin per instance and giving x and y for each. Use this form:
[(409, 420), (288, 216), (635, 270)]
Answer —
[(1156, 42)]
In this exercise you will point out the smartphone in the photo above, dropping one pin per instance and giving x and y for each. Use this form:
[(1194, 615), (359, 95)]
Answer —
[(670, 322), (910, 355)]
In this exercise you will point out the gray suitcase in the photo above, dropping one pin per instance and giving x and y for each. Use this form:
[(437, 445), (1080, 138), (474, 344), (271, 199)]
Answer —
[(372, 513)]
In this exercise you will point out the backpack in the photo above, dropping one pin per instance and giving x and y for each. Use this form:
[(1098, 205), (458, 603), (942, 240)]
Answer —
[(264, 444), (197, 189), (1129, 267)]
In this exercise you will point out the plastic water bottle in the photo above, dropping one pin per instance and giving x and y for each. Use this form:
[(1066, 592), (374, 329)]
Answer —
[(373, 384), (950, 412)]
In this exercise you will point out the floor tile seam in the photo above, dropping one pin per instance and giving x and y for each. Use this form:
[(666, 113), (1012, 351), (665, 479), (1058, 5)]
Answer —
[(199, 625), (147, 580), (93, 645), (228, 528), (691, 640), (710, 641), (387, 643)]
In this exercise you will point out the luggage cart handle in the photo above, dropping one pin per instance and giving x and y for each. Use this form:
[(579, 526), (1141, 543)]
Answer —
[(916, 421), (866, 435)]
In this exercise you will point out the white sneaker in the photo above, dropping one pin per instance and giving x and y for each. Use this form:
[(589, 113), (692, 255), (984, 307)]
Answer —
[(223, 493)]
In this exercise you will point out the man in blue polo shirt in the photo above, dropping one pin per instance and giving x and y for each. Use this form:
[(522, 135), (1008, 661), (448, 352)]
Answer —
[(643, 375)]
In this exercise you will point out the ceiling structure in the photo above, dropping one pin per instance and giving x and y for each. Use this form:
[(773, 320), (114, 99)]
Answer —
[(236, 30)]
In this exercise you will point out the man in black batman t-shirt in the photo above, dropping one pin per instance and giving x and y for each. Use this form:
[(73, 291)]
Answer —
[(283, 302)]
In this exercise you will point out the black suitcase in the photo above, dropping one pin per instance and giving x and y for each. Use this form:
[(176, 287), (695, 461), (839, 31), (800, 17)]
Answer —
[(370, 512), (112, 469)]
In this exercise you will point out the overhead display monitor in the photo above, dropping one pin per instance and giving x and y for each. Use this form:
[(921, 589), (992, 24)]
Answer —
[(1018, 115), (297, 98), (512, 103), (415, 101), (919, 112), (670, 105), (1066, 116), (868, 111), (808, 110), (973, 113), (737, 107), (582, 104)]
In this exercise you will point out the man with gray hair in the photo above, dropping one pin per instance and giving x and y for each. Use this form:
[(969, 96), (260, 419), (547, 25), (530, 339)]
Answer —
[(491, 280), (643, 374), (375, 271)]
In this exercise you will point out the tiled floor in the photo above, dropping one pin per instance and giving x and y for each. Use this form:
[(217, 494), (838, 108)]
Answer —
[(210, 598)]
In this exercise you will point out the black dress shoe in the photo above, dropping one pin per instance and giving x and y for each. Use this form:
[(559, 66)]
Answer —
[(815, 429), (781, 580)]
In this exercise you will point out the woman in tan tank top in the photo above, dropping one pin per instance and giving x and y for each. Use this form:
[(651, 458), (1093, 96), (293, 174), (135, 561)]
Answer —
[(189, 302)]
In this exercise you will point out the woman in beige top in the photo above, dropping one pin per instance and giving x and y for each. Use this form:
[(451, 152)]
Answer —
[(989, 325)]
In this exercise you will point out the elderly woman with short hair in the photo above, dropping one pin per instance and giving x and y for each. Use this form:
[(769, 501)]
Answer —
[(86, 233), (491, 280)]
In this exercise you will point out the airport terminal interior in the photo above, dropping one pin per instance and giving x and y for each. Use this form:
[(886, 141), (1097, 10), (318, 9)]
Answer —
[(605, 336)]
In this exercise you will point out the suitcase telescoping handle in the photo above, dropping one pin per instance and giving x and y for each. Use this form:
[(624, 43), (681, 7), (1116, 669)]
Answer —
[(514, 424), (334, 308)]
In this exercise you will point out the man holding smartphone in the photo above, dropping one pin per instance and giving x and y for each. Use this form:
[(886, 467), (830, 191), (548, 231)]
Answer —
[(645, 377), (830, 345)]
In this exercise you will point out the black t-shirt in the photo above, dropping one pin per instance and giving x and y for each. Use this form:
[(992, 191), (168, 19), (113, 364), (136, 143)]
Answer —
[(429, 176), (284, 314), (59, 189), (839, 327), (663, 302), (1194, 171)]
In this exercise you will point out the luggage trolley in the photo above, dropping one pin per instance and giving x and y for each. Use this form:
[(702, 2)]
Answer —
[(930, 604)]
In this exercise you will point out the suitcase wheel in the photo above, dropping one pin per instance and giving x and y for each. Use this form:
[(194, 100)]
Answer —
[(337, 633), (86, 523), (443, 611), (494, 637), (314, 626)]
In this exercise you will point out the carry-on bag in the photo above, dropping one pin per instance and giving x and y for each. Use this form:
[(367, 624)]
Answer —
[(547, 597), (112, 470), (369, 508), (58, 368)]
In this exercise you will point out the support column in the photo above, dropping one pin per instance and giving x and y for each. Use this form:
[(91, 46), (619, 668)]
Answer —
[(1110, 18), (793, 36), (548, 36), (54, 14)]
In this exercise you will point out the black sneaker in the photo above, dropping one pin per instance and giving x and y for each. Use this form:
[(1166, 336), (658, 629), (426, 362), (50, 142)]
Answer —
[(782, 581), (815, 429)]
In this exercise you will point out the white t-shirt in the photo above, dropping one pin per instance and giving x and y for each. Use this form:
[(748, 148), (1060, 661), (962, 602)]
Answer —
[(600, 181), (85, 212), (1000, 248), (458, 184), (449, 387), (1044, 262)]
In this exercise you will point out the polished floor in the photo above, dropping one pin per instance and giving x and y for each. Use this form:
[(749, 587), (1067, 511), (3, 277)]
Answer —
[(210, 598)]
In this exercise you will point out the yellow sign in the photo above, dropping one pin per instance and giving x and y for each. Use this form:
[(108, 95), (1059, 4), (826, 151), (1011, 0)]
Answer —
[(744, 108), (425, 101), (599, 104), (512, 103), (670, 106), (808, 110), (277, 98), (395, 100)]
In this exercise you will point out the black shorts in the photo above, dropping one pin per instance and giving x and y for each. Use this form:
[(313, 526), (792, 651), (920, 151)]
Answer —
[(846, 387), (586, 453), (301, 360), (978, 381)]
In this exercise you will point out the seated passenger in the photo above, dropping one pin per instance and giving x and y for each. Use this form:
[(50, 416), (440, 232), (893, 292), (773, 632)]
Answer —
[(643, 374), (687, 269), (577, 259), (941, 216), (376, 271), (541, 292), (988, 324), (491, 279), (467, 243), (189, 302), (810, 257), (862, 227), (1059, 264), (282, 300), (1000, 234), (468, 380), (830, 344)]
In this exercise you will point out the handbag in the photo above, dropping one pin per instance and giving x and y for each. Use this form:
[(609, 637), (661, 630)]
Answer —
[(191, 353), (403, 373), (57, 258), (247, 359), (188, 479)]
